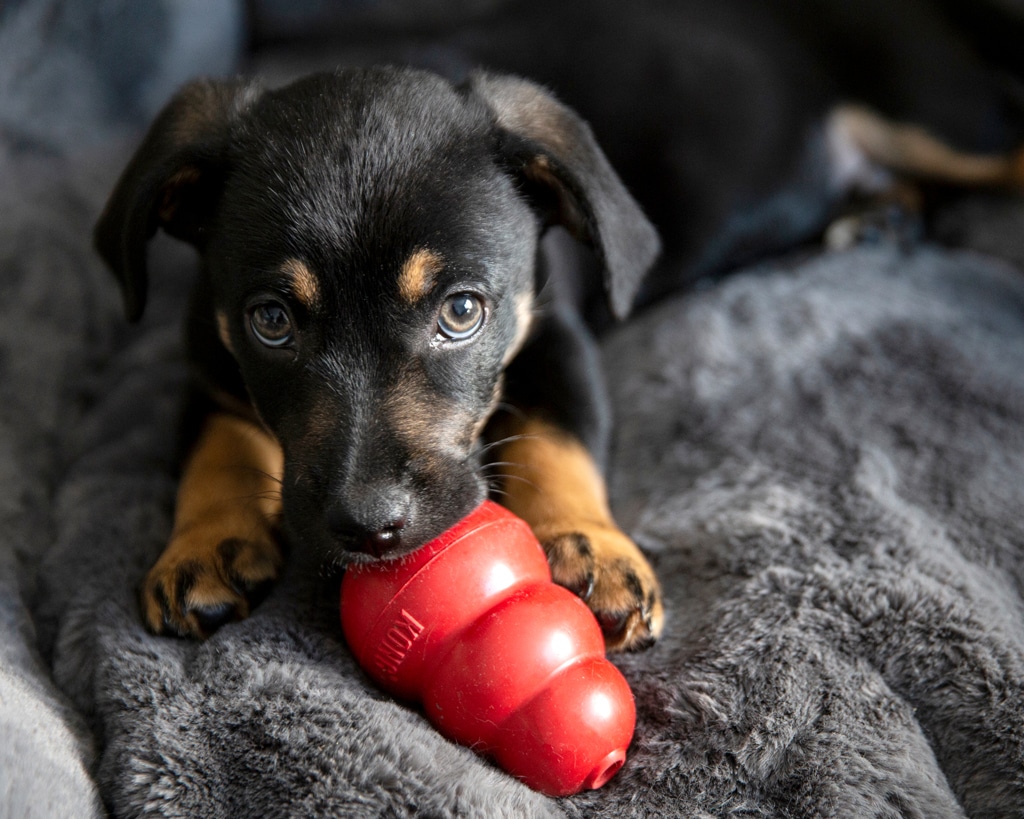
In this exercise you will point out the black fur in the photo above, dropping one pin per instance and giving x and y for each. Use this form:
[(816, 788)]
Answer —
[(351, 173)]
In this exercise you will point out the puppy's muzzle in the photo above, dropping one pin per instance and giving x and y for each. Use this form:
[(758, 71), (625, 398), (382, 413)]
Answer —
[(371, 520)]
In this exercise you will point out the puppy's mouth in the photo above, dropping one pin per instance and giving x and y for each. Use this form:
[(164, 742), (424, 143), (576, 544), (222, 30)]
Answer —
[(367, 522)]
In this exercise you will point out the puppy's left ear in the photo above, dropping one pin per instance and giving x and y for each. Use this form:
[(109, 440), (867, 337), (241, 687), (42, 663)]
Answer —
[(173, 181), (556, 154)]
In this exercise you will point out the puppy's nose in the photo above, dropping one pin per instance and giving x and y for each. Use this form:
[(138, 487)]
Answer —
[(371, 522)]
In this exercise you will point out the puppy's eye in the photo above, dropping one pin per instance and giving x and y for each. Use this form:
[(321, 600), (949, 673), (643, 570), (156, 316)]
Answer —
[(271, 323), (460, 317)]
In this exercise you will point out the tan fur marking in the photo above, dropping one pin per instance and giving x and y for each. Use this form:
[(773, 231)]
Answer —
[(417, 275), (552, 479), (235, 464), (425, 422), (224, 331), (910, 150), (303, 282), (229, 491), (554, 485), (524, 323)]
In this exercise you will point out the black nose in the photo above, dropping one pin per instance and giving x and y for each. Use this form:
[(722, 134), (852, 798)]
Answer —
[(371, 521)]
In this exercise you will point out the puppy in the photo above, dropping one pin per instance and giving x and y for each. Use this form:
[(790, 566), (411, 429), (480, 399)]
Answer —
[(374, 325)]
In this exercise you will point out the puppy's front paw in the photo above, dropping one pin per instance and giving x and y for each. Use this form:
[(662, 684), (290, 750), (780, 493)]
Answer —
[(199, 584), (607, 570)]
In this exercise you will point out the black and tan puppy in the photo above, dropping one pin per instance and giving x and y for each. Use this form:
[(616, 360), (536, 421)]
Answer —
[(373, 322)]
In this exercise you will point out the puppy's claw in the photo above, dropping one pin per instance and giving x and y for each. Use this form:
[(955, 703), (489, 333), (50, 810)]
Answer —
[(583, 589), (588, 589), (628, 630), (608, 572)]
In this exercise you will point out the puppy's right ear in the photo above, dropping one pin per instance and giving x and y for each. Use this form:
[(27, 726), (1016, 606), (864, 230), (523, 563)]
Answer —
[(173, 181)]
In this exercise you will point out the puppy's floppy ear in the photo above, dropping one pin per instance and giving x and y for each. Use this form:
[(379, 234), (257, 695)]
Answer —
[(173, 181), (555, 152)]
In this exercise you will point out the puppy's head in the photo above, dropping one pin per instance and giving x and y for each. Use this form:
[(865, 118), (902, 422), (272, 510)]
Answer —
[(369, 243)]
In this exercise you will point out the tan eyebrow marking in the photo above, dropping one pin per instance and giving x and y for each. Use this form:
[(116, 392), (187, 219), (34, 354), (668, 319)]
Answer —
[(524, 323), (304, 284), (417, 276), (223, 330)]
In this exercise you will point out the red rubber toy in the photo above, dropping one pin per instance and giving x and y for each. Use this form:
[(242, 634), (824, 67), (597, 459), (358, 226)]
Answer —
[(502, 659)]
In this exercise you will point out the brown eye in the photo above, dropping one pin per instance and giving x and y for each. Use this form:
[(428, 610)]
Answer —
[(271, 323), (460, 317)]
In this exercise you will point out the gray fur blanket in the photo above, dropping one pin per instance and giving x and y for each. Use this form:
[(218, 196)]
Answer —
[(823, 456)]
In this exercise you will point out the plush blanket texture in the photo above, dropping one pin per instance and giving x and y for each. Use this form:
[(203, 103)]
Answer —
[(823, 456)]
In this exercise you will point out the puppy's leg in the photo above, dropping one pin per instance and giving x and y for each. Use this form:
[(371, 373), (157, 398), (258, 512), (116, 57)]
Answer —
[(222, 551), (548, 458), (551, 482)]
